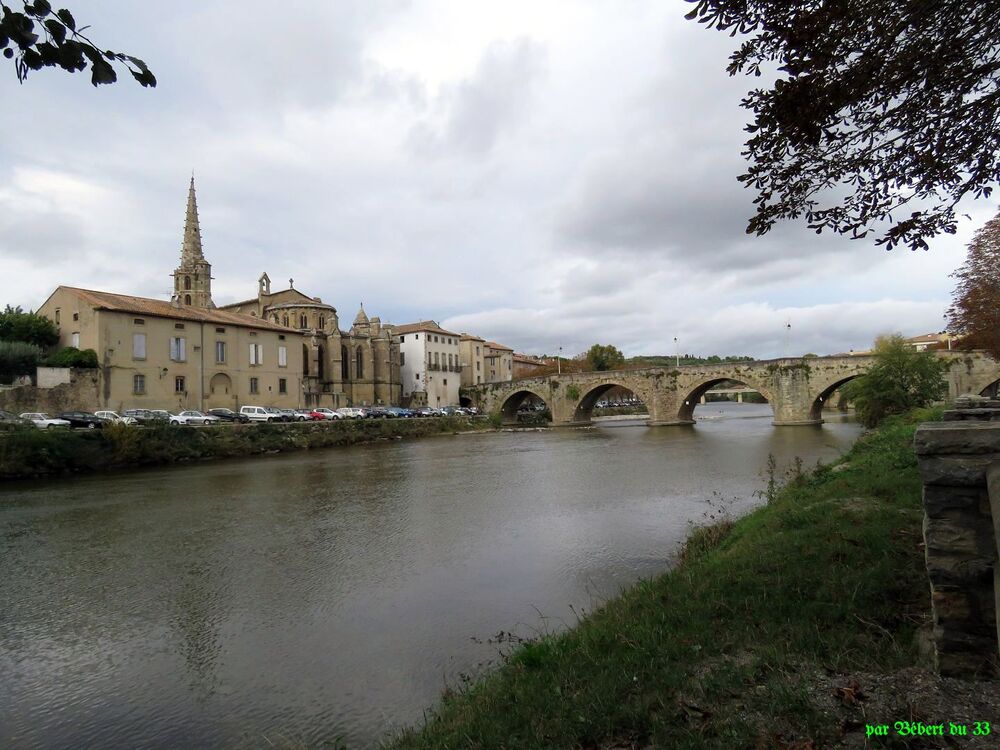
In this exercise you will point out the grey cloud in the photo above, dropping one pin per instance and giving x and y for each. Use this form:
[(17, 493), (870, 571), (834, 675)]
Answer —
[(494, 99)]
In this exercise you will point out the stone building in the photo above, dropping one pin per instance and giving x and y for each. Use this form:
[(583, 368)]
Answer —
[(498, 362), (181, 354), (356, 367), (473, 362), (430, 364)]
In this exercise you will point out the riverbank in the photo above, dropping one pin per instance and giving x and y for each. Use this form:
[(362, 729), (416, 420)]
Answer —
[(30, 452), (795, 626)]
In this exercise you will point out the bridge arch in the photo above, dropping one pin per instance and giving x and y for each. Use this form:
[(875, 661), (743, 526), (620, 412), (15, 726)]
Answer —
[(686, 407), (990, 389), (584, 411), (816, 408), (511, 404)]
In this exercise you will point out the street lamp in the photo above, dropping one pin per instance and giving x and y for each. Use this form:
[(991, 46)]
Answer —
[(788, 337), (559, 361), (677, 354)]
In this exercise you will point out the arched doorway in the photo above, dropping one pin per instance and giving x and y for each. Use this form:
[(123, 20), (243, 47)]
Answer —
[(220, 391)]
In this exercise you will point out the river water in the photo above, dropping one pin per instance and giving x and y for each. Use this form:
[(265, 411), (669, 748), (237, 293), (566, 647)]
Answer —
[(332, 595)]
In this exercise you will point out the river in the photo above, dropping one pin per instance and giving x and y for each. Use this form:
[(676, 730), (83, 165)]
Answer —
[(292, 600)]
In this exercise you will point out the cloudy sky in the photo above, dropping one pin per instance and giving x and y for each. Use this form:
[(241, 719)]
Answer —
[(542, 173)]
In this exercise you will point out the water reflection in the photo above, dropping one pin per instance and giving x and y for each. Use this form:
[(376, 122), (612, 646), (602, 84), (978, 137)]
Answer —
[(335, 593)]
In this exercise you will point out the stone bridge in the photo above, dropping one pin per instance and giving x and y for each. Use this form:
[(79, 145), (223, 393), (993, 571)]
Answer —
[(795, 388)]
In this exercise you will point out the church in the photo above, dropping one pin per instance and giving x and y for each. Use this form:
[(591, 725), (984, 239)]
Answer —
[(282, 348)]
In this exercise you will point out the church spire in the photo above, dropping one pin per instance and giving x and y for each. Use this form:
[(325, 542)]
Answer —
[(193, 277), (191, 248)]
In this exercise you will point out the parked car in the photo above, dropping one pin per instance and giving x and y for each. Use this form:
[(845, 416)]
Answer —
[(397, 413), (193, 416), (349, 412), (293, 415), (112, 416), (12, 420), (377, 412), (329, 413), (82, 420), (258, 414), (43, 421), (278, 414), (145, 416), (228, 415), (311, 414)]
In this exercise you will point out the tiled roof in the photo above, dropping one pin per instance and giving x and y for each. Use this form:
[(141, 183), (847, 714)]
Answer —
[(495, 345), (163, 309), (424, 325), (470, 337), (527, 358)]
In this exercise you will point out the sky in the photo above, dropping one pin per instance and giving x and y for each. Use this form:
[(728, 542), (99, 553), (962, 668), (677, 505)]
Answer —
[(545, 174)]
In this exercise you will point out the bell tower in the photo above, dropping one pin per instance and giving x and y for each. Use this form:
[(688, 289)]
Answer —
[(193, 277)]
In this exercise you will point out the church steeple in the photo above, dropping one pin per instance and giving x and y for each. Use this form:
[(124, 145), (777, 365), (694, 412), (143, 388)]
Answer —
[(193, 277), (191, 247)]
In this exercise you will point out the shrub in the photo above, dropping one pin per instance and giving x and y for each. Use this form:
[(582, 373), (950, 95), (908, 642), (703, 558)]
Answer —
[(73, 357), (17, 358)]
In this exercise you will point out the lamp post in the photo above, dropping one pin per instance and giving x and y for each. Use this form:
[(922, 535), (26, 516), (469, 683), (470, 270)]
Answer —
[(559, 362), (677, 354), (788, 336)]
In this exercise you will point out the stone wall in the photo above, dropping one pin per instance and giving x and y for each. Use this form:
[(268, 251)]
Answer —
[(81, 392), (959, 462)]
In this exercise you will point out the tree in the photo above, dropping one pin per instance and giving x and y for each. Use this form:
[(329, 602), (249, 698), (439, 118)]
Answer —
[(16, 359), (900, 379), (604, 357), (975, 312), (878, 106), (37, 37), (73, 357), (29, 327)]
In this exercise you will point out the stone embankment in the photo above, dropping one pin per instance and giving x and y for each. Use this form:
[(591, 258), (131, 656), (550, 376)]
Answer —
[(959, 462), (29, 452)]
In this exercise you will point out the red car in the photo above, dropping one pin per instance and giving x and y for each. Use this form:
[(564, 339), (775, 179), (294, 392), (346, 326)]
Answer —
[(315, 416)]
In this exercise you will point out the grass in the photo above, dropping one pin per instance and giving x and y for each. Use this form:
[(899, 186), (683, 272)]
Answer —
[(828, 575)]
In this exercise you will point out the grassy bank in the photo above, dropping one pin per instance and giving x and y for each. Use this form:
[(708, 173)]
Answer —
[(727, 650), (30, 452)]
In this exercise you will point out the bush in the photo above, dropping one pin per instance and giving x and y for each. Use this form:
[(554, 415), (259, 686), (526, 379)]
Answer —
[(73, 357), (17, 358), (900, 380)]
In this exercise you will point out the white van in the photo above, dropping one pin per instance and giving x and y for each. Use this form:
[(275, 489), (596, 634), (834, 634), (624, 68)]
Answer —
[(258, 414)]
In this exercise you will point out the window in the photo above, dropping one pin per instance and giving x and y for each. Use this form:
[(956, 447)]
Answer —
[(281, 337), (435, 339), (179, 326), (178, 349), (436, 362), (401, 338), (187, 299), (322, 322), (76, 316), (478, 363), (138, 321), (416, 337), (220, 330), (416, 375), (282, 356), (76, 339), (359, 364), (256, 354), (187, 282), (451, 362), (57, 316), (179, 384), (138, 346), (138, 384), (254, 385), (282, 385), (402, 359), (446, 381), (220, 351), (284, 320), (303, 322)]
